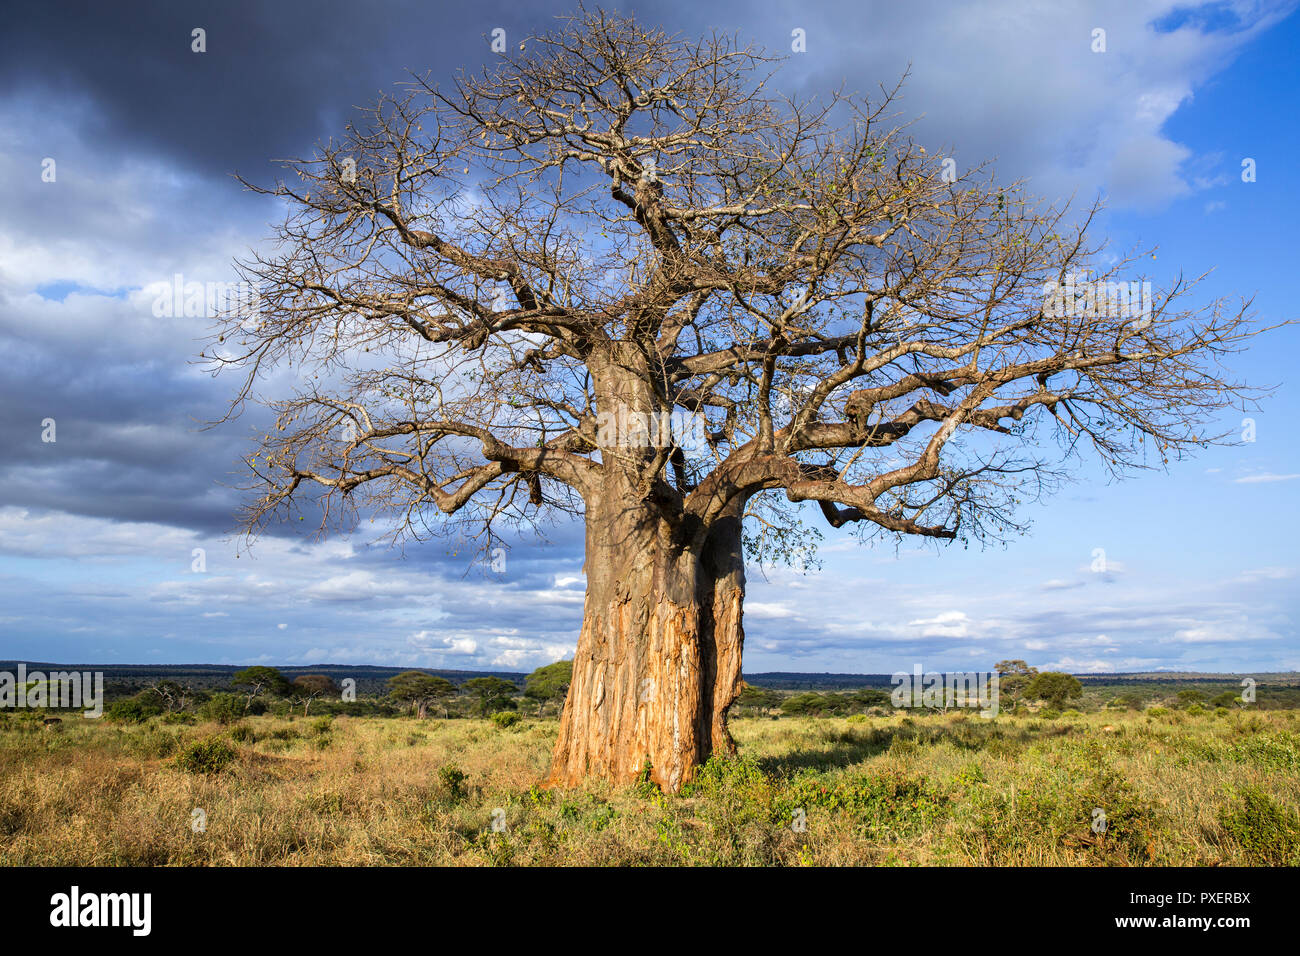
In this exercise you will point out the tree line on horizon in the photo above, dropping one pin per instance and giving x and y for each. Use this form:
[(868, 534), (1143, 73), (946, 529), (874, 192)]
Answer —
[(262, 689)]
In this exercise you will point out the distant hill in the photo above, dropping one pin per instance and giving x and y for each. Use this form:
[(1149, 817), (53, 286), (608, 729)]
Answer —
[(127, 678), (793, 680)]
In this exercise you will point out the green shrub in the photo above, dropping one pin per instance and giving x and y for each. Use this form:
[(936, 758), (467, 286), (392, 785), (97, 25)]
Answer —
[(223, 708), (538, 797), (131, 710), (903, 746), (453, 780), (155, 744), (969, 776), (322, 725), (1280, 751), (211, 755), (603, 816), (1267, 832), (1050, 811), (242, 733), (891, 803), (738, 810), (857, 718), (1131, 819), (974, 736), (505, 718), (178, 717)]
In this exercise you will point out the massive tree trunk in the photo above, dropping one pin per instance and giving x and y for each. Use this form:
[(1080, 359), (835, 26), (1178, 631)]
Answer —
[(658, 658)]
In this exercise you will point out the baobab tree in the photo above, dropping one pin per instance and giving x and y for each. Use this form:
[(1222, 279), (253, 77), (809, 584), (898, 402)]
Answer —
[(616, 275)]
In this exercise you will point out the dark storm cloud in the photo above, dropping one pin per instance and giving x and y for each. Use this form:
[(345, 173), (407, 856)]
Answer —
[(278, 76), (275, 76), (153, 131), (112, 456)]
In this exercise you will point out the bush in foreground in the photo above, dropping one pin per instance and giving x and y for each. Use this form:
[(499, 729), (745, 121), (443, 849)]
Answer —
[(208, 756), (1267, 832)]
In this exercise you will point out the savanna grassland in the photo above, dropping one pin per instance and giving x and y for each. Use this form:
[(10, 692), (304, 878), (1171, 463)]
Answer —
[(1202, 789)]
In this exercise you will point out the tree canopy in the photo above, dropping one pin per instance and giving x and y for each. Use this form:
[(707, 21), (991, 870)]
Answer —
[(1054, 687), (305, 688), (482, 280), (493, 693), (550, 682), (418, 689), (259, 679)]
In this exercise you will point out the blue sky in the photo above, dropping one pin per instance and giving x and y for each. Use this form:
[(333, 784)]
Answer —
[(98, 530)]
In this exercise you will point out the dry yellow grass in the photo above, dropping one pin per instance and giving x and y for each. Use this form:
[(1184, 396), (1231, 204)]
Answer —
[(884, 790)]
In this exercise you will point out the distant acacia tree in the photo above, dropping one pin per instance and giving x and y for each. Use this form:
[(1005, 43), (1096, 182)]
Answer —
[(493, 693), (1053, 687), (171, 694), (307, 687), (1013, 677), (617, 275), (758, 697), (259, 679), (549, 683), (418, 690)]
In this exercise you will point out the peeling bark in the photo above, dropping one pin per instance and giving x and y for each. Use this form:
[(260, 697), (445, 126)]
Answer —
[(658, 659)]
